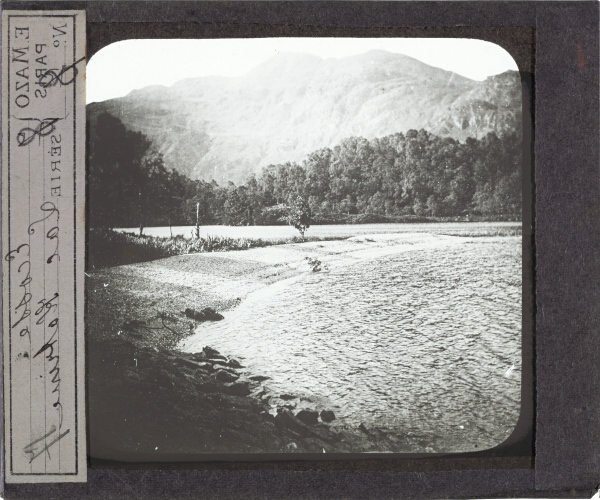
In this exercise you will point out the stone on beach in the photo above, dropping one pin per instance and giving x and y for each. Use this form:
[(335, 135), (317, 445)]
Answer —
[(227, 369), (225, 376), (211, 353), (238, 388), (218, 363), (362, 428), (327, 416), (207, 351), (308, 417), (290, 447), (206, 314), (285, 419), (188, 363), (234, 363)]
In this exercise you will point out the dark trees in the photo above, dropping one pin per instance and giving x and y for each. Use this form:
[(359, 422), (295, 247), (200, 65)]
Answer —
[(128, 182), (413, 174), (416, 173)]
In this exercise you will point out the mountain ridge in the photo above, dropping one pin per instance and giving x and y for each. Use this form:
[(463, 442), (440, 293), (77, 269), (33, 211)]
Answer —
[(225, 128)]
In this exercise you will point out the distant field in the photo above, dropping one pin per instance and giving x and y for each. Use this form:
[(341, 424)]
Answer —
[(339, 231)]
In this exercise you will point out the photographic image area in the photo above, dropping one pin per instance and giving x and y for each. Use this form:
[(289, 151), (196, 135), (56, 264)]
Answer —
[(303, 245)]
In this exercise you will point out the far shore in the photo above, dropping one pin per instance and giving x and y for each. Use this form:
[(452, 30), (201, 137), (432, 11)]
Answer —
[(140, 309)]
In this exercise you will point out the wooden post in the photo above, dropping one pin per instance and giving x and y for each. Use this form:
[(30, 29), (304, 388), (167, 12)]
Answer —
[(197, 220), (141, 213)]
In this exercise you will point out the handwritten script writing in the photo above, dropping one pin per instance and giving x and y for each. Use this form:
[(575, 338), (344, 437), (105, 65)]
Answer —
[(43, 238), (33, 449), (50, 209), (22, 309), (57, 76), (27, 134)]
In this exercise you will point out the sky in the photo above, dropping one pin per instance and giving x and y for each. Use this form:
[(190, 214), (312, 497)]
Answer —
[(124, 66)]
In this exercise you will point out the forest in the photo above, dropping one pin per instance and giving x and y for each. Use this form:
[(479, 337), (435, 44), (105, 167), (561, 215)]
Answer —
[(388, 179)]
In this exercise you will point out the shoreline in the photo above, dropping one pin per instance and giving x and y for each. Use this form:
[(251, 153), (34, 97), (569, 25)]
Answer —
[(136, 329), (111, 248)]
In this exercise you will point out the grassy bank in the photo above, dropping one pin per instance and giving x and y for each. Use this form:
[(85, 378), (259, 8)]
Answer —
[(107, 248)]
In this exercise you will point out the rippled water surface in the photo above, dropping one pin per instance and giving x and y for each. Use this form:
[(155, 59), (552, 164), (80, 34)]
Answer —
[(426, 340)]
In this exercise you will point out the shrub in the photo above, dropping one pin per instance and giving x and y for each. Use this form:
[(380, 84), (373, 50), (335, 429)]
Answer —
[(299, 215)]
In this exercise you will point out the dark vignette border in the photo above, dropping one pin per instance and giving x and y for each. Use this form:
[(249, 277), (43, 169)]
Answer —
[(567, 237), (517, 450)]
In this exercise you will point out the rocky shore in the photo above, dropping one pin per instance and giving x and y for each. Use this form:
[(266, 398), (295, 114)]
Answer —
[(149, 401)]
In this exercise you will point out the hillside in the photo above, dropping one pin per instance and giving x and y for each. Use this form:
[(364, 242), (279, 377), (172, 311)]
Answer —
[(226, 128)]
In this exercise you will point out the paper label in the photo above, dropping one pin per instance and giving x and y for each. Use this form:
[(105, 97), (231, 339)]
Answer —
[(43, 235)]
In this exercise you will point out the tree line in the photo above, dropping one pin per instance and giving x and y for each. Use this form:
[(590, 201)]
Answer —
[(400, 175)]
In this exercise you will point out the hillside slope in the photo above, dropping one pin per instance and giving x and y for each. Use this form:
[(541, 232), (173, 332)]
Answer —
[(226, 128)]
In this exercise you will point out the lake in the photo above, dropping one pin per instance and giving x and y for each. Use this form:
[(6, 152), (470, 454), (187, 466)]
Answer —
[(339, 230), (426, 342)]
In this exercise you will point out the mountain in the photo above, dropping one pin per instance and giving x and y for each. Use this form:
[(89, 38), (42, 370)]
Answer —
[(225, 128)]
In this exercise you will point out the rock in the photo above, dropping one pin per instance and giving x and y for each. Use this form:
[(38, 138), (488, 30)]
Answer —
[(190, 383), (308, 417), (213, 354), (314, 264), (287, 397), (267, 416), (135, 335), (211, 315), (327, 416), (193, 314), (259, 378), (315, 445), (209, 351), (362, 428), (218, 362), (238, 388), (225, 376), (286, 419), (199, 356), (207, 314), (327, 435), (225, 368), (290, 447), (116, 353), (117, 345), (234, 363), (188, 363)]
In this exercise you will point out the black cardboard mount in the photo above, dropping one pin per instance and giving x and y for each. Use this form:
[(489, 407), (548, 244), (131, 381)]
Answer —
[(556, 46)]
